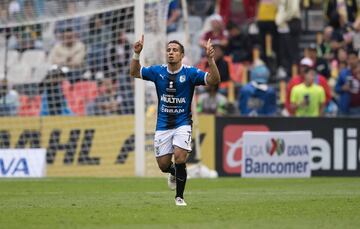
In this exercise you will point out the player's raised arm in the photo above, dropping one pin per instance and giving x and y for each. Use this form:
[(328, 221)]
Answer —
[(135, 63), (213, 77)]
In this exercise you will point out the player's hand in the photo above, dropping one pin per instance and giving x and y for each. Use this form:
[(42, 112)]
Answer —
[(138, 46), (210, 52)]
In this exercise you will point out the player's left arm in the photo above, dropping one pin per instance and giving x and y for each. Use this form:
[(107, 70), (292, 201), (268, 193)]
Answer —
[(213, 76)]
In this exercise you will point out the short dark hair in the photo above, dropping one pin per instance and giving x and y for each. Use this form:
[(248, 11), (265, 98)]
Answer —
[(182, 49)]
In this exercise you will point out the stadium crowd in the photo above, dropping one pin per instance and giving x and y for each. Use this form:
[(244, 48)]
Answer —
[(266, 69)]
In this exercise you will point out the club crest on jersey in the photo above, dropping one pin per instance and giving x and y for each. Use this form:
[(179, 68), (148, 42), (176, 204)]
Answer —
[(182, 79)]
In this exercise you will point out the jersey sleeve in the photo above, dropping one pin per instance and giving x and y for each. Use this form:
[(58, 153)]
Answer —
[(148, 73), (197, 76)]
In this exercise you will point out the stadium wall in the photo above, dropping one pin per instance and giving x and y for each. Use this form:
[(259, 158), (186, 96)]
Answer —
[(335, 142), (75, 146)]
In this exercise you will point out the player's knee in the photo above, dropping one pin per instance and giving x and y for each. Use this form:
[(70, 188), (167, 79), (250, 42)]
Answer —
[(164, 168), (180, 158)]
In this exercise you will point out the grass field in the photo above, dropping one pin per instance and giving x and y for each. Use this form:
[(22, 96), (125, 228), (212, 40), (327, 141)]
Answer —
[(147, 203)]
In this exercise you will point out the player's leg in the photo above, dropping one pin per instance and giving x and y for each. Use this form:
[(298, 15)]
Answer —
[(182, 146), (163, 152), (180, 156), (165, 164)]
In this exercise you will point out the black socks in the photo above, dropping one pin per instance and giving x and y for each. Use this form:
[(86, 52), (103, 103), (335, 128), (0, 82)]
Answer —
[(171, 169), (181, 175)]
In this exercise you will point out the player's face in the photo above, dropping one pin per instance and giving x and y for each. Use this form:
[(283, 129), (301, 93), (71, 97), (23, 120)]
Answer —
[(174, 54)]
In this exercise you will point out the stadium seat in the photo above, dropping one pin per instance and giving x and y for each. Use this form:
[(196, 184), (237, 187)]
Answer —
[(39, 73), (13, 58), (195, 24), (79, 95), (237, 73), (29, 105), (33, 58), (19, 74), (195, 54), (180, 36)]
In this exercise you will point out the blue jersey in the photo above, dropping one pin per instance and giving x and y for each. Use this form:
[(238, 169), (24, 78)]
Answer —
[(174, 91)]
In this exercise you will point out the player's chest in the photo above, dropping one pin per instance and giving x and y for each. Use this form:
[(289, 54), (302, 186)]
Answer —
[(173, 83)]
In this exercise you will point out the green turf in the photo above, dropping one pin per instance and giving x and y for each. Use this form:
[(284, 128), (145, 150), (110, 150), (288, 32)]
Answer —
[(147, 203)]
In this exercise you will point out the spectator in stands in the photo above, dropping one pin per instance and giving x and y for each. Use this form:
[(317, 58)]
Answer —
[(250, 7), (53, 101), (69, 52), (9, 100), (4, 16), (266, 23), (320, 80), (119, 54), (108, 101), (119, 61), (308, 99), (347, 8), (348, 88), (27, 36), (320, 64), (202, 8), (77, 24), (173, 17), (14, 10), (97, 41), (212, 102), (223, 7), (257, 98), (342, 33), (342, 59), (356, 35), (217, 34), (240, 46), (324, 49), (289, 29), (39, 7)]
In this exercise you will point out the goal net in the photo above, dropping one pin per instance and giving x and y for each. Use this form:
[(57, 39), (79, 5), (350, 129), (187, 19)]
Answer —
[(65, 83)]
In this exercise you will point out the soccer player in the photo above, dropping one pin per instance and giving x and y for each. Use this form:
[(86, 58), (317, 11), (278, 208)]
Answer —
[(175, 84)]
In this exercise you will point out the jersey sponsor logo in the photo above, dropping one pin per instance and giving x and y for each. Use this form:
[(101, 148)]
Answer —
[(172, 100), (182, 79), (171, 87), (172, 110)]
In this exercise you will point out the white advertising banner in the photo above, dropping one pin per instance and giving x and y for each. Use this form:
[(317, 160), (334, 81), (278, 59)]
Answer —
[(276, 154), (22, 163)]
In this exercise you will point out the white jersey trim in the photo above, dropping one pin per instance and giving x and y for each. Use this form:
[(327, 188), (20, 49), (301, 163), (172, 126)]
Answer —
[(141, 76), (174, 72), (205, 78)]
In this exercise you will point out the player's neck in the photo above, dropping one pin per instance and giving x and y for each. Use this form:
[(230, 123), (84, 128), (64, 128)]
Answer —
[(174, 67)]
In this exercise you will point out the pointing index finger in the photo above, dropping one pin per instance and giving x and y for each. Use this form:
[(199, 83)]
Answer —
[(208, 43), (142, 39)]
